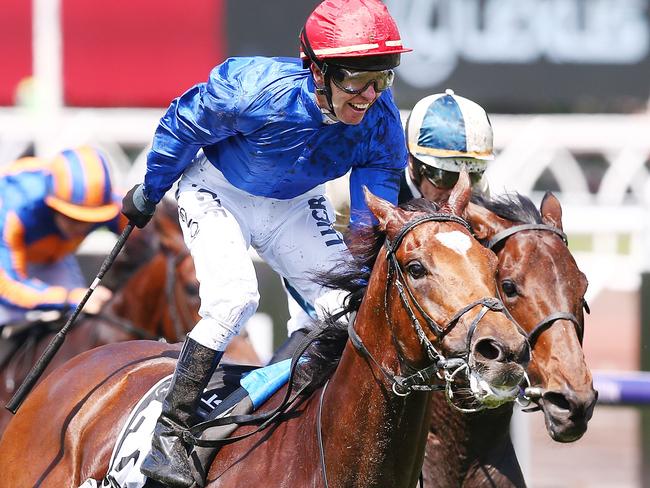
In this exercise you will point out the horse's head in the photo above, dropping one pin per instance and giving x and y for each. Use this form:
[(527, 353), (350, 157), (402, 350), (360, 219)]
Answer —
[(542, 287), (440, 303)]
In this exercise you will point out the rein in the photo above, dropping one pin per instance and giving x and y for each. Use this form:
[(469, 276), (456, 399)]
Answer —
[(127, 326), (319, 435), (194, 436)]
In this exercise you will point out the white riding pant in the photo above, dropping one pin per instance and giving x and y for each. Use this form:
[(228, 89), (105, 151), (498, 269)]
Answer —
[(64, 272), (295, 237)]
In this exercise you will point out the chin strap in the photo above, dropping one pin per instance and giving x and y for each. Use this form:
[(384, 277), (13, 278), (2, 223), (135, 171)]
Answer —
[(326, 89)]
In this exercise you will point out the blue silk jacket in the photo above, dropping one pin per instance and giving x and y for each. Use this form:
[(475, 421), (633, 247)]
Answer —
[(258, 123)]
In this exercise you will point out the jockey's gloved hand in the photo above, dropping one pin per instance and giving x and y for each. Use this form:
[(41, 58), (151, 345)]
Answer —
[(136, 207)]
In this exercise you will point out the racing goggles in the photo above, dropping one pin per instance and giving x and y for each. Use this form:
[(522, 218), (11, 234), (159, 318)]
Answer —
[(441, 178), (356, 82)]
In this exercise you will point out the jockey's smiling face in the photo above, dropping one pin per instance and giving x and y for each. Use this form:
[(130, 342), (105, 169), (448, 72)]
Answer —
[(349, 108), (71, 228)]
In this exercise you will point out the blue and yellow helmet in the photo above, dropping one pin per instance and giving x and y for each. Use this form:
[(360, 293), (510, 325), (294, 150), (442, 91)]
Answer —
[(447, 131), (81, 186)]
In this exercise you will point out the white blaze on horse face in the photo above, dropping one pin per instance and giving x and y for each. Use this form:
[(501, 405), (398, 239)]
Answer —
[(455, 240)]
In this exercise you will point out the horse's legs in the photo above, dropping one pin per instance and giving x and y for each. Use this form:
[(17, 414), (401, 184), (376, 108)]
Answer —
[(168, 460)]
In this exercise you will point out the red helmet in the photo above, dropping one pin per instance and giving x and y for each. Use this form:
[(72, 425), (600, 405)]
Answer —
[(351, 29)]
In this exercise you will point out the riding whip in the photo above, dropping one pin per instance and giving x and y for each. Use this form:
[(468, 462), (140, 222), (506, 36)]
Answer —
[(37, 370)]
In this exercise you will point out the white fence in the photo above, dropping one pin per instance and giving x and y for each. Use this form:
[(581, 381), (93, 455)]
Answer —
[(598, 164)]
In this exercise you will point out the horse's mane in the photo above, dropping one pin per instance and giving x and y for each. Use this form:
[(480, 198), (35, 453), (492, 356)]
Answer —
[(351, 276), (511, 206)]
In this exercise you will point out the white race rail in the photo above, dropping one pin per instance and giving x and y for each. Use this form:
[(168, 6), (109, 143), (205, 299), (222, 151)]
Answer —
[(616, 215)]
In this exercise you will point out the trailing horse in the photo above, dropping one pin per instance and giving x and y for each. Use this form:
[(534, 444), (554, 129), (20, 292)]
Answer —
[(543, 289), (426, 318), (158, 301)]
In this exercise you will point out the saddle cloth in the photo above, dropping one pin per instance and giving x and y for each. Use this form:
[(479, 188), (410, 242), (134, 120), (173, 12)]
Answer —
[(234, 389)]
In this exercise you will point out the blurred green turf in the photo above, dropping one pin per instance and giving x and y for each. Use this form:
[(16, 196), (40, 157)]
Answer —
[(585, 242)]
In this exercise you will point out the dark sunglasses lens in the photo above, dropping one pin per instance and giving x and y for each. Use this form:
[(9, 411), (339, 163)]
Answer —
[(440, 178), (447, 179), (356, 82)]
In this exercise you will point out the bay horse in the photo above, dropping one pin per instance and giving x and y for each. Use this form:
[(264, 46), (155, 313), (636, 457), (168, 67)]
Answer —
[(426, 318), (160, 300), (542, 287)]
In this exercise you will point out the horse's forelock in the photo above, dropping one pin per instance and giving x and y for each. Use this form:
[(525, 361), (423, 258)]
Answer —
[(511, 206)]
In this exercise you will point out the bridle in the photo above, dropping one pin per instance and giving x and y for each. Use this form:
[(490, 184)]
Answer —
[(179, 318), (547, 322), (181, 324), (420, 380)]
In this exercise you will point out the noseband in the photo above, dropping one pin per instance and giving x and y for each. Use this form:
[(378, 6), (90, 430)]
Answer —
[(421, 379)]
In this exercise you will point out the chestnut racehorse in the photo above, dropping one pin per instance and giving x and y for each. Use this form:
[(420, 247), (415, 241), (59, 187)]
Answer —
[(427, 318), (543, 289), (159, 300)]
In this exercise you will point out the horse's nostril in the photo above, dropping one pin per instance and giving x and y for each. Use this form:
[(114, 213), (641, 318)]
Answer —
[(488, 349), (559, 400)]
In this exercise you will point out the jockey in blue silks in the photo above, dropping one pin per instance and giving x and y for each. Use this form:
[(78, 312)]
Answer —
[(253, 147)]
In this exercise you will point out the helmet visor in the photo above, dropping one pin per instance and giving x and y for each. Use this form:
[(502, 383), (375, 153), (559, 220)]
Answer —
[(356, 82), (441, 178)]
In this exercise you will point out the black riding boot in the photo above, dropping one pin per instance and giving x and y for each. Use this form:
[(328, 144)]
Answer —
[(168, 461)]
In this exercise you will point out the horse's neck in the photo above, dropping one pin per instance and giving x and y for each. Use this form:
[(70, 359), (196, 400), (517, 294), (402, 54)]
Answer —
[(372, 437), (140, 300), (464, 445)]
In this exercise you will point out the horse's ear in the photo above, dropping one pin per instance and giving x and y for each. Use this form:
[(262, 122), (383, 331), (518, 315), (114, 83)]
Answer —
[(551, 210), (460, 194), (484, 223), (383, 210)]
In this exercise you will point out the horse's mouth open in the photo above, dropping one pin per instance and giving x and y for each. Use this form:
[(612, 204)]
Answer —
[(472, 392), (491, 396)]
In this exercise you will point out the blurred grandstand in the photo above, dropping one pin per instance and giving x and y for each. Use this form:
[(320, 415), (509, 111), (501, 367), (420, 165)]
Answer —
[(566, 83)]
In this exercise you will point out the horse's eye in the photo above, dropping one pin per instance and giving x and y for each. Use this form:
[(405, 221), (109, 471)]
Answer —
[(191, 290), (509, 288), (585, 305), (416, 270)]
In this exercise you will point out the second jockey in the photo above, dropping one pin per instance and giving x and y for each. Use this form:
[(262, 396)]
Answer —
[(444, 133), (47, 208), (253, 148)]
